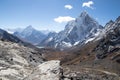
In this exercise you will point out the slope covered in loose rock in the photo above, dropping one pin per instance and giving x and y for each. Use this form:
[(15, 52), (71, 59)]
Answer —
[(22, 63), (16, 61)]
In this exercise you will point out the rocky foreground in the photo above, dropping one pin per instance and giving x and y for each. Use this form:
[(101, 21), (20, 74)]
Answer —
[(17, 61), (21, 63)]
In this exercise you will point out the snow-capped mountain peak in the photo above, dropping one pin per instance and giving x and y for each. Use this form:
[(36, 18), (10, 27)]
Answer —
[(82, 28), (28, 31), (29, 28), (31, 35), (83, 14)]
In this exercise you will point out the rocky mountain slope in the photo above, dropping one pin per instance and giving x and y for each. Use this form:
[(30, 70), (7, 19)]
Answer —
[(111, 39), (22, 63), (31, 35), (5, 36), (9, 37), (16, 61), (75, 32)]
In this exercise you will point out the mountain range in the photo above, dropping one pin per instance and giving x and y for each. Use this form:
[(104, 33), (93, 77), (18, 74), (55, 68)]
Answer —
[(84, 50), (79, 31), (31, 35)]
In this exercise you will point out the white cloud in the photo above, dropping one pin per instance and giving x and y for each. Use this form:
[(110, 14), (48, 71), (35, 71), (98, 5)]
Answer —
[(68, 6), (88, 4), (62, 19)]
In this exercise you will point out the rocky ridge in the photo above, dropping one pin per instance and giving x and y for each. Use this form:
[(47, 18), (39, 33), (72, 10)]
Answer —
[(111, 39)]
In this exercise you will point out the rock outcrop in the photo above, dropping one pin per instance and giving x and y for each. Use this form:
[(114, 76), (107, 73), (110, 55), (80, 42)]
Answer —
[(17, 61), (22, 63), (49, 70)]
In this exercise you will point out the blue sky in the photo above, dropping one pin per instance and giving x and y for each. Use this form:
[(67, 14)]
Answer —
[(54, 14)]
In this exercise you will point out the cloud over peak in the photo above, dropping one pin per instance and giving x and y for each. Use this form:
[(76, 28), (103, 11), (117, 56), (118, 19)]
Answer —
[(62, 19), (68, 6), (88, 4)]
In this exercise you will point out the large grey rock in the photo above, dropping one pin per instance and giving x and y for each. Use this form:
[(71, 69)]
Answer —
[(49, 70)]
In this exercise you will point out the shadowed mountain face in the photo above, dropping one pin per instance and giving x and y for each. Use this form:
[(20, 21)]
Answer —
[(111, 41), (9, 37), (75, 32)]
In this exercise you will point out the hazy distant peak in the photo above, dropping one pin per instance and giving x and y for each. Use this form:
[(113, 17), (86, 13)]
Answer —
[(29, 27)]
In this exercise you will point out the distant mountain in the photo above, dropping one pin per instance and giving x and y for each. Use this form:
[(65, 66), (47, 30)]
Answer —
[(31, 35), (5, 36), (77, 31)]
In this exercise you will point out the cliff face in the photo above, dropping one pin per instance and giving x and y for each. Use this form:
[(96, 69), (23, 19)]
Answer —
[(49, 70)]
